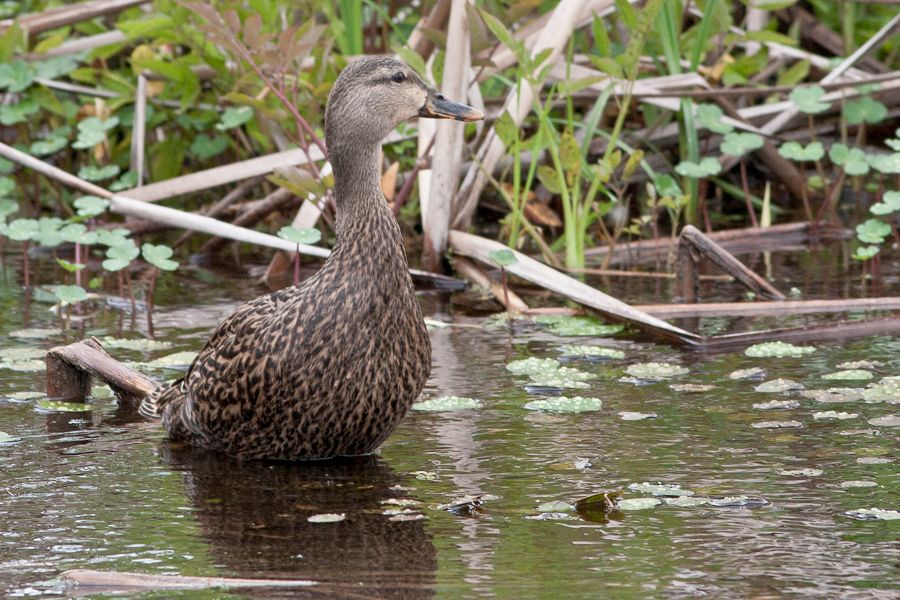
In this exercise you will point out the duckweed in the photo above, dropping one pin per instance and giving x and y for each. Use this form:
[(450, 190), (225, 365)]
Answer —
[(592, 352), (447, 403), (777, 350), (575, 404), (638, 503), (850, 374), (655, 370), (779, 385)]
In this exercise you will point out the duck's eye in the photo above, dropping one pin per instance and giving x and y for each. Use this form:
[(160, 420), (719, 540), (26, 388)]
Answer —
[(398, 77)]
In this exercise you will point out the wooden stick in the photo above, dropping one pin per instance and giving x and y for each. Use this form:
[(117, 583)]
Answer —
[(780, 308), (139, 129), (479, 248), (448, 142), (519, 103), (468, 269), (692, 239), (68, 15), (69, 370), (117, 580)]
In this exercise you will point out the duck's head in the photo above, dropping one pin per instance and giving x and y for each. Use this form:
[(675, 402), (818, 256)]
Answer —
[(375, 94)]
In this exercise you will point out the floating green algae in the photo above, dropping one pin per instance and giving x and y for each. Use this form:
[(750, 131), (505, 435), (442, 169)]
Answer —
[(532, 365), (801, 472), (57, 406), (777, 350), (834, 395), (577, 326), (831, 414), (655, 370), (776, 424), (138, 344), (575, 404), (591, 352), (638, 503), (659, 489), (692, 388), (636, 416), (447, 403), (850, 375), (751, 373), (777, 405), (873, 514), (778, 385)]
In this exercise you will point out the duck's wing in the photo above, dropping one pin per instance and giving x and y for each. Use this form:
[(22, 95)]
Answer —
[(225, 342)]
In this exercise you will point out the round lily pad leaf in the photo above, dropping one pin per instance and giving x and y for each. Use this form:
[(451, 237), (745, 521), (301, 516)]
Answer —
[(777, 350), (327, 518), (864, 110), (834, 395), (71, 294), (779, 385), (659, 489), (575, 404), (57, 406), (555, 506), (740, 143), (831, 414), (886, 390), (860, 364), (559, 379), (776, 424), (178, 360), (885, 421), (638, 503), (705, 168), (808, 99), (777, 405), (309, 235), (710, 116), (591, 352), (858, 484), (503, 258), (739, 502), (90, 206), (21, 396), (139, 344), (873, 231), (798, 152), (158, 256), (686, 501), (692, 388), (636, 416), (873, 460), (655, 370), (120, 255), (801, 472), (752, 373), (532, 366), (873, 514), (447, 403)]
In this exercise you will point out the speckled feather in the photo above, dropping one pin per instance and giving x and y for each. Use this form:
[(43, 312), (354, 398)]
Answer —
[(331, 366)]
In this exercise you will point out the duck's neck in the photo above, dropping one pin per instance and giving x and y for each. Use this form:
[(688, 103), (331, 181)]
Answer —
[(365, 226)]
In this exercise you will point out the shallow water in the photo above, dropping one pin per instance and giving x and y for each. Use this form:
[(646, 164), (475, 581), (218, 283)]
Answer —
[(103, 490)]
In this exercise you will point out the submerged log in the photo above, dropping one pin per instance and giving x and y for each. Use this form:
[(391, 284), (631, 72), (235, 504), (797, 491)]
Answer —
[(122, 581), (69, 371)]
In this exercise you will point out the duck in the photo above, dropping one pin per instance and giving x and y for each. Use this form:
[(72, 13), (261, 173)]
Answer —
[(328, 367)]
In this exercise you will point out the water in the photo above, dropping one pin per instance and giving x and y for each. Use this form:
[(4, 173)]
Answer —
[(103, 490)]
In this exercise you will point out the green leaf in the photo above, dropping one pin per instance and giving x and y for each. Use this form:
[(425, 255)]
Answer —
[(890, 203), (48, 146), (90, 206), (21, 230), (7, 207), (120, 256), (499, 30), (15, 76), (666, 185), (769, 36), (300, 236), (7, 185), (873, 231), (893, 143), (55, 67), (92, 131), (70, 267), (503, 258), (773, 4), (608, 65), (70, 294), (710, 116), (852, 159), (795, 151), (569, 152), (808, 99), (48, 232), (866, 252), (11, 114), (234, 116), (885, 163), (158, 256), (127, 181), (76, 233), (705, 168), (92, 173), (739, 143), (506, 129), (864, 110), (547, 175), (628, 15), (205, 147), (798, 72)]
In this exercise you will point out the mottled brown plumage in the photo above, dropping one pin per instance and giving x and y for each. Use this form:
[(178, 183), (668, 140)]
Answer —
[(328, 367)]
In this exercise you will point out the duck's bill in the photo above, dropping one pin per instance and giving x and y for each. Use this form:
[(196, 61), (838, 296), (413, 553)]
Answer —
[(441, 108)]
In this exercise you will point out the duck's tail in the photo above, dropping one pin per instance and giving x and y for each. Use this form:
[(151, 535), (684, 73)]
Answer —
[(153, 403)]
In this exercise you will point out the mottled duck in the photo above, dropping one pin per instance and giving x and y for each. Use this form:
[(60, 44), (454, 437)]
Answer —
[(328, 367)]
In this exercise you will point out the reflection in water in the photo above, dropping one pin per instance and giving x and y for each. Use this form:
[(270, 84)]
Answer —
[(254, 516)]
